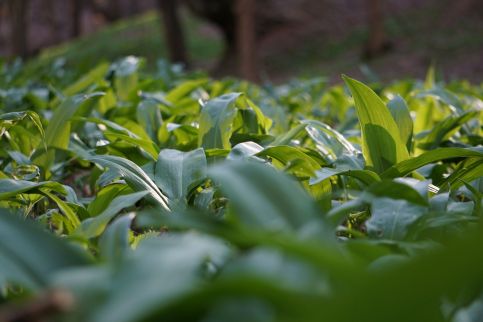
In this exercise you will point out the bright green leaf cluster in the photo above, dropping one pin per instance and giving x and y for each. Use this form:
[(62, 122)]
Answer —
[(170, 196)]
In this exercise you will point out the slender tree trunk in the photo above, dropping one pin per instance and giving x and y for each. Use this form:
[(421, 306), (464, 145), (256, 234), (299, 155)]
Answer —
[(375, 18), (48, 11), (110, 10), (19, 26), (114, 10), (173, 31), (246, 39), (76, 18)]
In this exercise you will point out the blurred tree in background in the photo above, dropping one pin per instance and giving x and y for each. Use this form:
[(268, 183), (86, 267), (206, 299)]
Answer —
[(251, 31)]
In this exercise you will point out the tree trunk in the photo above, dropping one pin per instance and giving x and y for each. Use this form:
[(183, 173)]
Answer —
[(173, 31), (19, 27), (376, 43), (246, 39), (76, 18), (110, 10)]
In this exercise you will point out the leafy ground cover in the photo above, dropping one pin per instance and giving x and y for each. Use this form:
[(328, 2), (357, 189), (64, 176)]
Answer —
[(128, 196)]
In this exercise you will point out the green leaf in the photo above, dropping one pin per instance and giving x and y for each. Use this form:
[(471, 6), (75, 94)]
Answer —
[(394, 190), (264, 122), (58, 130), (160, 271), (57, 134), (263, 198), (391, 219), (366, 176), (93, 76), (445, 128), (104, 197), (405, 167), (93, 227), (135, 177), (115, 131), (10, 188), (285, 138), (176, 172), (126, 76), (400, 112), (469, 170), (115, 241), (444, 96), (329, 141), (72, 220), (244, 150), (32, 255), (382, 144), (182, 90), (293, 159), (215, 124), (149, 117), (8, 120)]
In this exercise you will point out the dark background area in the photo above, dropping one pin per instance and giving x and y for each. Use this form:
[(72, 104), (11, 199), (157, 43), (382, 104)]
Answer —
[(258, 40)]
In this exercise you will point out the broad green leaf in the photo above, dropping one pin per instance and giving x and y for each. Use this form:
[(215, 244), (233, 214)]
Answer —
[(32, 255), (149, 117), (93, 76), (365, 176), (93, 227), (400, 112), (294, 159), (72, 220), (470, 170), (263, 198), (244, 150), (382, 144), (445, 128), (10, 188), (115, 131), (329, 141), (115, 241), (394, 190), (444, 96), (285, 138), (126, 76), (58, 131), (264, 122), (57, 134), (176, 172), (134, 176), (104, 197), (215, 124), (160, 271), (405, 167), (8, 120), (391, 219), (477, 198), (146, 145), (182, 90)]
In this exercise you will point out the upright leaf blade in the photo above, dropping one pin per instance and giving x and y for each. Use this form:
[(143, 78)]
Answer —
[(216, 120), (176, 171), (57, 134), (400, 112), (382, 145)]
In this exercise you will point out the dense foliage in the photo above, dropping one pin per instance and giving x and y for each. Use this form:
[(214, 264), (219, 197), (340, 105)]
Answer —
[(127, 196)]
